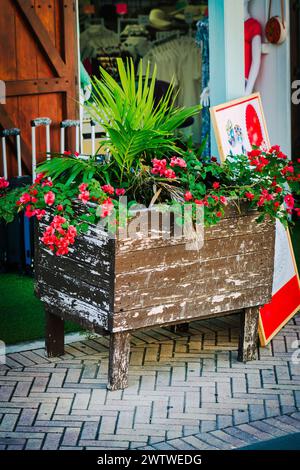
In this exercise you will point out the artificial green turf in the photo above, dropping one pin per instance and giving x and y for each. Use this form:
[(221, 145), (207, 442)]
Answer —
[(21, 313)]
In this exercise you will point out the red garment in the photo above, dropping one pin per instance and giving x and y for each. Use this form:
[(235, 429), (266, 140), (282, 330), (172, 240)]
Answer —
[(252, 29)]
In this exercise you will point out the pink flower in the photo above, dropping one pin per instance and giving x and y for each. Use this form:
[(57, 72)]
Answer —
[(84, 196), (47, 183), (76, 154), (159, 167), (120, 192), (289, 201), (170, 174), (216, 185), (49, 198), (177, 161), (107, 188), (83, 187), (106, 208), (3, 183), (223, 200), (40, 213), (25, 198), (188, 196)]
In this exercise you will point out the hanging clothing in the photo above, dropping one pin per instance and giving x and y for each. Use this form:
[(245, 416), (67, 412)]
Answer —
[(202, 41), (95, 39), (179, 60)]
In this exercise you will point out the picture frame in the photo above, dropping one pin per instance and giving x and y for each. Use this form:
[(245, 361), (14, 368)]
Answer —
[(239, 125)]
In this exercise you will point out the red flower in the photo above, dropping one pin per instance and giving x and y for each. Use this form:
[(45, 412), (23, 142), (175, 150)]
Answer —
[(49, 198), (261, 201), (60, 207), (170, 174), (219, 214), (159, 167), (83, 187), (278, 189), (33, 192), (25, 198), (177, 161), (215, 198), (276, 204), (107, 188), (216, 185), (289, 201), (274, 148), (282, 156), (39, 177), (223, 200), (249, 196), (254, 153), (214, 159), (3, 183), (34, 200), (297, 210), (120, 192), (188, 196), (298, 160), (76, 154), (67, 153), (84, 196), (29, 211), (199, 202)]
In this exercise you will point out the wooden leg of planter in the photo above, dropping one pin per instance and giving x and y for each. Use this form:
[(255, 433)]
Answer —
[(54, 335), (248, 335), (119, 350)]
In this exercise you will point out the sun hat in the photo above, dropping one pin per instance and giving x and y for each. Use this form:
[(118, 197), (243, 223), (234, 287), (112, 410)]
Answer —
[(159, 19)]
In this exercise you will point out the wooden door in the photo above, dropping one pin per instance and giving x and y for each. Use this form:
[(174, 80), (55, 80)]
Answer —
[(39, 64), (295, 75)]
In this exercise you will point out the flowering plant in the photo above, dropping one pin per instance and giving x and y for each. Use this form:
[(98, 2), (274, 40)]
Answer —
[(144, 161)]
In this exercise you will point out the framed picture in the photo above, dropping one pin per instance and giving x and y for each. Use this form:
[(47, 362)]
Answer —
[(239, 125)]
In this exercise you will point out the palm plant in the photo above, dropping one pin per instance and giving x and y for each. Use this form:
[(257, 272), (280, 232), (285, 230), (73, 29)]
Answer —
[(136, 128)]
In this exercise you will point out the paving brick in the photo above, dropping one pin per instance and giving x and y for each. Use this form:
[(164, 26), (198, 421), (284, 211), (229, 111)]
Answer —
[(52, 441), (71, 437), (190, 390)]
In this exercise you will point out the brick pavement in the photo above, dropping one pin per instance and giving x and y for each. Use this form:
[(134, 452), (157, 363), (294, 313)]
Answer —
[(186, 391)]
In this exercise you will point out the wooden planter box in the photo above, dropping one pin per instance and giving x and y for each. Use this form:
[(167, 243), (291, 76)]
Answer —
[(118, 286)]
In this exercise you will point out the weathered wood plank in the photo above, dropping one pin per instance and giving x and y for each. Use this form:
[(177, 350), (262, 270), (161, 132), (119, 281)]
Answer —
[(225, 228), (191, 308), (179, 255), (96, 296), (211, 283), (73, 306), (190, 272)]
